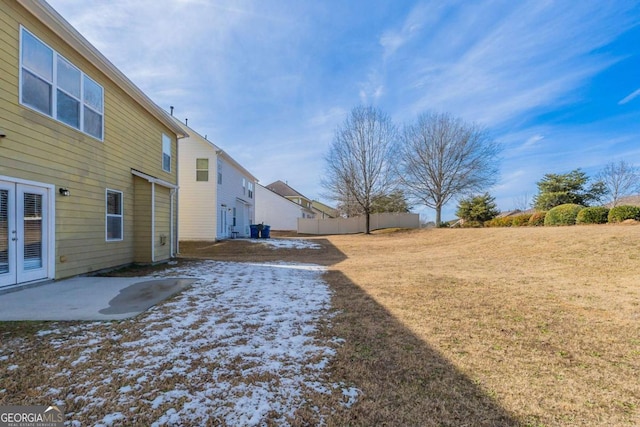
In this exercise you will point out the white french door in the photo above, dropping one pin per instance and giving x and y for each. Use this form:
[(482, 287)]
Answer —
[(222, 220), (23, 233)]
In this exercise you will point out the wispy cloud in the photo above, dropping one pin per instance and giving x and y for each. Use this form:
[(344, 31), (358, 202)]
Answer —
[(629, 97), (421, 16), (492, 63), (531, 142), (275, 77)]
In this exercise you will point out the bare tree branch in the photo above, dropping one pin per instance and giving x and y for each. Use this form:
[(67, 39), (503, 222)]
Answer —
[(442, 156), (620, 179), (358, 165)]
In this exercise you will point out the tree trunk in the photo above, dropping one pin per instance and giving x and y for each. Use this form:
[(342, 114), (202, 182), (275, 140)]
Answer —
[(368, 222)]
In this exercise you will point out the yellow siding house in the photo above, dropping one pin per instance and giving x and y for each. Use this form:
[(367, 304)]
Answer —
[(88, 163)]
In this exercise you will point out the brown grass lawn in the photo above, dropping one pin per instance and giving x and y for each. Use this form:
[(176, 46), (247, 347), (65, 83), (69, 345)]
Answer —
[(543, 322), (512, 326), (472, 327)]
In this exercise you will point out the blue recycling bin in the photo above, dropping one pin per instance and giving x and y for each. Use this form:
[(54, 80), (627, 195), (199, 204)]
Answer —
[(265, 231), (254, 231)]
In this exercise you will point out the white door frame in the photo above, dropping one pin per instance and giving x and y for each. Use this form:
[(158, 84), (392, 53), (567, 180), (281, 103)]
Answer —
[(17, 274)]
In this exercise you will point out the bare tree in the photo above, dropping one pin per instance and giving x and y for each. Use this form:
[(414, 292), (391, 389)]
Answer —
[(358, 165), (522, 202), (442, 156), (620, 179)]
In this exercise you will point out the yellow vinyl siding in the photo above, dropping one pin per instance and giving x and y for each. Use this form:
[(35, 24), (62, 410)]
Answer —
[(163, 226), (142, 226), (39, 148)]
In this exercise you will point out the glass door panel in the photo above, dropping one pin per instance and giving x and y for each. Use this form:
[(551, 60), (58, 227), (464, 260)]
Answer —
[(8, 235), (31, 233)]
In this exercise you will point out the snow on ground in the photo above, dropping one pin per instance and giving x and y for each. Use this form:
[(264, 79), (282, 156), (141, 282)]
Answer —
[(288, 243), (237, 348)]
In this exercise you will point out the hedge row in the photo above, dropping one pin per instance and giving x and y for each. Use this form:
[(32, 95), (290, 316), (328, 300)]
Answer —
[(568, 214)]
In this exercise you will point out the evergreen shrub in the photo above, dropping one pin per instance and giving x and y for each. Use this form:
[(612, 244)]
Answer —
[(503, 221), (593, 215), (521, 220), (537, 219), (624, 212), (563, 215)]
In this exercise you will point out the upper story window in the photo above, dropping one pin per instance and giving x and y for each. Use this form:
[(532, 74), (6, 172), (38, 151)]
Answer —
[(219, 172), (250, 186), (166, 153), (54, 86), (202, 169), (244, 186)]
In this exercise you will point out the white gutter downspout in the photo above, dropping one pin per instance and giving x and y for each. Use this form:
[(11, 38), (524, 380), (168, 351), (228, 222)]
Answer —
[(153, 222), (171, 239)]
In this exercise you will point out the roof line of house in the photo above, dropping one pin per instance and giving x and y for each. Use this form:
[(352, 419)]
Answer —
[(219, 151), (56, 23), (288, 200), (153, 179)]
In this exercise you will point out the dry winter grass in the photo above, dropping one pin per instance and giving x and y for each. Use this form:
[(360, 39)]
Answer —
[(529, 326), (517, 326), (514, 326)]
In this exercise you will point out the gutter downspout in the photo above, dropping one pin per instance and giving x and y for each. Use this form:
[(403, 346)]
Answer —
[(153, 222), (171, 232)]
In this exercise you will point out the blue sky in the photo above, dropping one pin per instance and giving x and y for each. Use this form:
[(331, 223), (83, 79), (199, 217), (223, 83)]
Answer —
[(556, 82)]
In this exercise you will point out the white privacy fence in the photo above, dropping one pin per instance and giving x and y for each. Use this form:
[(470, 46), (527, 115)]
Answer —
[(357, 224)]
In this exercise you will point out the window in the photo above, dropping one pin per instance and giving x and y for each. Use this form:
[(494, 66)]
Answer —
[(166, 153), (219, 177), (114, 219), (202, 169), (54, 86), (251, 190), (244, 186), (234, 217)]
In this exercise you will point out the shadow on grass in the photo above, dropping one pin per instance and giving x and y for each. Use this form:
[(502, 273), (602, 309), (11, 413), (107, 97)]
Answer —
[(403, 381)]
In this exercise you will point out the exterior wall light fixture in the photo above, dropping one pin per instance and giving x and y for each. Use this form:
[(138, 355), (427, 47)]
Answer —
[(64, 191)]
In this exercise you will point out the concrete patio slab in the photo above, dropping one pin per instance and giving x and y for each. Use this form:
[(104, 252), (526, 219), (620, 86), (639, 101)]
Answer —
[(89, 298)]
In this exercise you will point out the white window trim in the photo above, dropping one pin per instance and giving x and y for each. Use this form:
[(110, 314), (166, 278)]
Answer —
[(166, 144), (55, 88), (107, 215), (202, 170)]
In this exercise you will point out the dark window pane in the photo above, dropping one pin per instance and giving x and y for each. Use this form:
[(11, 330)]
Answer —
[(37, 56), (114, 203), (114, 228), (36, 93), (68, 78), (92, 94), (202, 175), (68, 110), (92, 123)]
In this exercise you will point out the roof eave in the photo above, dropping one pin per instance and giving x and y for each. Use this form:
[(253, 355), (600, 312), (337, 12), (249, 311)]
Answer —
[(56, 23)]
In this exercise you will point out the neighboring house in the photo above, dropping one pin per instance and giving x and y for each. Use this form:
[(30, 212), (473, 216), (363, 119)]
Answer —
[(88, 169), (217, 194), (279, 211), (323, 211), (626, 200), (283, 189)]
